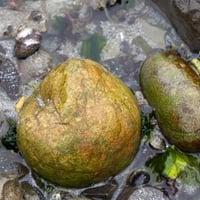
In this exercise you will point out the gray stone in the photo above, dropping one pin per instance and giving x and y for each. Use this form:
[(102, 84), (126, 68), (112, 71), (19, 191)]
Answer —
[(10, 166), (101, 192), (14, 19), (142, 193), (185, 16), (35, 66)]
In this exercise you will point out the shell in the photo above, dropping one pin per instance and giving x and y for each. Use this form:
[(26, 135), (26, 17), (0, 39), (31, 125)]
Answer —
[(157, 142), (27, 42)]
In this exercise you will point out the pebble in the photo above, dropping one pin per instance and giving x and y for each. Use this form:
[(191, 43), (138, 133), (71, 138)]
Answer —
[(9, 77), (10, 165), (30, 192), (142, 193), (157, 142), (101, 192), (79, 198), (12, 190), (153, 34), (35, 66)]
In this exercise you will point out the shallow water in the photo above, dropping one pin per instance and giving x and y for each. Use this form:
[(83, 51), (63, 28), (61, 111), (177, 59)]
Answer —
[(125, 33)]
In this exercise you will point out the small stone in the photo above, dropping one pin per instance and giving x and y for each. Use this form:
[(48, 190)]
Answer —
[(30, 192), (101, 192), (10, 165), (35, 66), (79, 198), (36, 16), (185, 16), (121, 15)]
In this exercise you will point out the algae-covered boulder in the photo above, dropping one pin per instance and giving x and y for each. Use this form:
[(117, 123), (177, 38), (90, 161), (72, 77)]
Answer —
[(173, 89), (80, 126)]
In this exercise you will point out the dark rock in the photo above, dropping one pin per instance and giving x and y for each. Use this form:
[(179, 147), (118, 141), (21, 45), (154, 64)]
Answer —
[(185, 17), (78, 198), (9, 77), (10, 165), (35, 66), (101, 192), (36, 16), (144, 193)]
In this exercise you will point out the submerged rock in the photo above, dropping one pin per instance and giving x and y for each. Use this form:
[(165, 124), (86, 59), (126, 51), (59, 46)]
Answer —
[(35, 66), (30, 193), (143, 193), (12, 190), (9, 77), (101, 192), (185, 16), (10, 165)]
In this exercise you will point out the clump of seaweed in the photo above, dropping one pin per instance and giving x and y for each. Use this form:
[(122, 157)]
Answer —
[(9, 139)]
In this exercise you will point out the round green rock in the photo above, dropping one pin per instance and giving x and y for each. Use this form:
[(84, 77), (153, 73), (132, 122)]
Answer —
[(172, 87), (80, 126)]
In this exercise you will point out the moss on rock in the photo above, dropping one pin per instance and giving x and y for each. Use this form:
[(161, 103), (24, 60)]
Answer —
[(81, 126), (173, 89)]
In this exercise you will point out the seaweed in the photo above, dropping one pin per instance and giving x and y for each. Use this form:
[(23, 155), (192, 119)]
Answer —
[(92, 47), (174, 164), (147, 124), (9, 140)]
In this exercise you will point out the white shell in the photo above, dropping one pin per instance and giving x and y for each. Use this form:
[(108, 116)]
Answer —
[(24, 33)]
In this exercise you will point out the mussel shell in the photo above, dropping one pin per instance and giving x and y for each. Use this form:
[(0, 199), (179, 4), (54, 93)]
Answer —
[(27, 42)]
